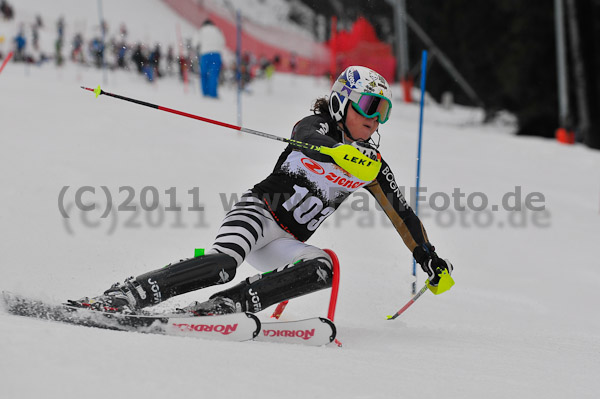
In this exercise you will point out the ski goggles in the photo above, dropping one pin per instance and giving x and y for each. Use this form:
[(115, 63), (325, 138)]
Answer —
[(369, 105), (372, 105)]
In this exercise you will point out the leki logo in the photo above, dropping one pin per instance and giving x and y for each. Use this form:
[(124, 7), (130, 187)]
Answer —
[(304, 334), (313, 166), (224, 329)]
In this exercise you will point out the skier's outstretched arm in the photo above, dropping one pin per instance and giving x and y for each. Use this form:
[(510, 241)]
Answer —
[(387, 193)]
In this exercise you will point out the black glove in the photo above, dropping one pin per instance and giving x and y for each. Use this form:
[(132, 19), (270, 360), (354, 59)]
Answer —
[(431, 264)]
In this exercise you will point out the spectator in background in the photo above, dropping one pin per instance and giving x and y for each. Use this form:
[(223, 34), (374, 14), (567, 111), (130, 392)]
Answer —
[(266, 72), (212, 43), (154, 61), (35, 34), (60, 28), (77, 49), (266, 68), (246, 69), (121, 53), (97, 49), (183, 67), (142, 62), (170, 60), (58, 57), (20, 44), (139, 58), (58, 44)]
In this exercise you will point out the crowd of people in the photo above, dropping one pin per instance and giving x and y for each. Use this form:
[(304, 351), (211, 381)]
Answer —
[(201, 56)]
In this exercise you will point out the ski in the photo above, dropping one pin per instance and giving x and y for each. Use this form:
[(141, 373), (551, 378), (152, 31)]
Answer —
[(314, 331), (234, 327)]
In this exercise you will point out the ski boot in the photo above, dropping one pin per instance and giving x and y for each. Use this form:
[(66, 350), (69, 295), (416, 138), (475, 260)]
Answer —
[(119, 298), (154, 287), (263, 290), (213, 307)]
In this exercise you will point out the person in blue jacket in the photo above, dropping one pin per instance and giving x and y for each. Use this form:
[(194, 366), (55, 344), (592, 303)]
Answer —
[(211, 41)]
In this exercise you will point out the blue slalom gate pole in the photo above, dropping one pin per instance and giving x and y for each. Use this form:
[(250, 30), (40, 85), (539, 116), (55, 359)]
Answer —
[(423, 80)]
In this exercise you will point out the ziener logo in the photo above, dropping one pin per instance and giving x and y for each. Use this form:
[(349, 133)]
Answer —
[(332, 177), (313, 166)]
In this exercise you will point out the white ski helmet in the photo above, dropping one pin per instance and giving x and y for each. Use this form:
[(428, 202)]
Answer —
[(368, 92)]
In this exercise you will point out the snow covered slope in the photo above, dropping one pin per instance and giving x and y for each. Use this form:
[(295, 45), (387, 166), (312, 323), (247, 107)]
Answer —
[(520, 321)]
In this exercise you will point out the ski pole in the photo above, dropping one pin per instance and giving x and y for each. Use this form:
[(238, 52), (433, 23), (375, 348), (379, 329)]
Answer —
[(345, 155), (445, 282), (414, 298)]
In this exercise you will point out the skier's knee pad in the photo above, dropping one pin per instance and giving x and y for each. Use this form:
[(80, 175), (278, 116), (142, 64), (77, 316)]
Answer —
[(185, 276), (263, 290)]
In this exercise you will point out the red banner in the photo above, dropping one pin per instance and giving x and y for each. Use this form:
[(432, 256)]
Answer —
[(296, 52)]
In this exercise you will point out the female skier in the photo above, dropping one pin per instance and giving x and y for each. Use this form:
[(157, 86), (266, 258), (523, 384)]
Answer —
[(269, 226)]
